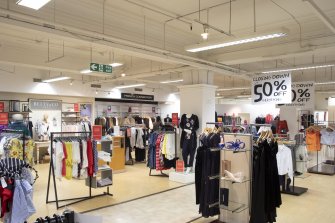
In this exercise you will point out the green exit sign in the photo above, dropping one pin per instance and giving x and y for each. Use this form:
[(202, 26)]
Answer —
[(101, 68)]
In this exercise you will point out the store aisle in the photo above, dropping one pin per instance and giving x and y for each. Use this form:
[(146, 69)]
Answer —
[(174, 206)]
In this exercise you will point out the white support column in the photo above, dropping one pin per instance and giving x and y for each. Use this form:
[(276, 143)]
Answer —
[(198, 99)]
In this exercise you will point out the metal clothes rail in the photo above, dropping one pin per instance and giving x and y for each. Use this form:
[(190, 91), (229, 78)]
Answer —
[(52, 171), (175, 135)]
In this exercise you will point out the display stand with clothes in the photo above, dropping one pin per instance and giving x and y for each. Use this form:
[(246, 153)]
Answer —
[(92, 165), (287, 165), (162, 154), (315, 137)]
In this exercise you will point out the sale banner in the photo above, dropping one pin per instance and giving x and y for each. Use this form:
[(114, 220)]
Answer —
[(271, 88), (175, 119), (2, 106), (4, 118), (97, 132), (303, 95), (179, 166)]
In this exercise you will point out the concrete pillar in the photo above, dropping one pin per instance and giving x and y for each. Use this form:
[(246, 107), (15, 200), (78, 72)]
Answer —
[(198, 97)]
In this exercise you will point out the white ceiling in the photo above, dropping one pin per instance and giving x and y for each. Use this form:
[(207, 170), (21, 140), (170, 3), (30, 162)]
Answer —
[(149, 37)]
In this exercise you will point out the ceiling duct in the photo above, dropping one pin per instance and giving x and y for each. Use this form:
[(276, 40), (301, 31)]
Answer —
[(138, 89), (95, 85)]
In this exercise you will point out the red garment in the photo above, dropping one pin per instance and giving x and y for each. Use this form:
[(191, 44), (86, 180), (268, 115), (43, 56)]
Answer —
[(282, 127), (64, 160), (90, 168), (6, 196), (268, 119)]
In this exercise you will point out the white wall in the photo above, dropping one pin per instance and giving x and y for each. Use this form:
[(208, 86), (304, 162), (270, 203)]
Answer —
[(254, 110)]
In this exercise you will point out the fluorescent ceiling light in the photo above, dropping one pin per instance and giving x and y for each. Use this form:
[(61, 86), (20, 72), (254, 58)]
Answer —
[(86, 71), (115, 64), (298, 68), (203, 47), (171, 81), (232, 89), (34, 4), (129, 86), (325, 83), (55, 79), (219, 97)]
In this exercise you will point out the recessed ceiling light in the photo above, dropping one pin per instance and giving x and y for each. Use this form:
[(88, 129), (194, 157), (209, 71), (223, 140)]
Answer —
[(171, 81), (116, 64), (129, 86), (325, 83), (61, 78), (298, 68), (123, 75), (86, 71), (33, 4), (210, 46)]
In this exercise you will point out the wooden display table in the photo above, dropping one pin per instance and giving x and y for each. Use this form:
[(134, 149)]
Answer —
[(119, 155)]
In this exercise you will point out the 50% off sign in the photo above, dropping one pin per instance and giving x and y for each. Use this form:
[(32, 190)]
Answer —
[(302, 95), (271, 88)]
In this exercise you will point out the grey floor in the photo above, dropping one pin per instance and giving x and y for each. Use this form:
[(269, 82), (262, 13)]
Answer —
[(173, 206)]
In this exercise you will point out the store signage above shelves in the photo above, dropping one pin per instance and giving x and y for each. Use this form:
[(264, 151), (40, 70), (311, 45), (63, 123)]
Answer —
[(303, 95), (45, 104), (137, 96), (271, 88), (101, 68)]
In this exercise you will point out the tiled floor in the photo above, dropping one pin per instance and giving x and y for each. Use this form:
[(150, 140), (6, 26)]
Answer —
[(178, 205)]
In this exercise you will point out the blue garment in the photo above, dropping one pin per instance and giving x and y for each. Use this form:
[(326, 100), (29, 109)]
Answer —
[(95, 157), (28, 191), (19, 125), (20, 211), (152, 150)]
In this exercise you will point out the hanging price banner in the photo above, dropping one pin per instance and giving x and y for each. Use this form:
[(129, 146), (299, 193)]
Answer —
[(302, 95), (271, 88)]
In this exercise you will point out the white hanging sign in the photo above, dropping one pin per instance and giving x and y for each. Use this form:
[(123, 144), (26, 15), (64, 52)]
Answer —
[(272, 88), (303, 95)]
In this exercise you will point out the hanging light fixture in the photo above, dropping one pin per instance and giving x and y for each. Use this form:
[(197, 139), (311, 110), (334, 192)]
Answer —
[(205, 34)]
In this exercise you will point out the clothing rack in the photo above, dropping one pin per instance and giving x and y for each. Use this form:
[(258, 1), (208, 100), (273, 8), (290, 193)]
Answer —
[(175, 135), (21, 132), (66, 217), (52, 171), (294, 190), (322, 168)]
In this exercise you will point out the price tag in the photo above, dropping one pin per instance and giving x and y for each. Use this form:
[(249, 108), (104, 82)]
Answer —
[(303, 95), (3, 182), (273, 88)]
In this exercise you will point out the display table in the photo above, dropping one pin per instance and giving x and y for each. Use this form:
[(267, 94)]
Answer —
[(38, 145), (119, 155)]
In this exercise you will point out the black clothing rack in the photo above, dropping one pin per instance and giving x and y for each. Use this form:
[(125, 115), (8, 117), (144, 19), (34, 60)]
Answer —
[(52, 170), (175, 147), (322, 168), (66, 217), (21, 132)]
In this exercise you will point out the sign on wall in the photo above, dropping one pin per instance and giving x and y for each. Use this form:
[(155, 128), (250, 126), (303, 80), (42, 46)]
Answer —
[(4, 118), (137, 96), (97, 132), (303, 95), (35, 104), (272, 88), (175, 119)]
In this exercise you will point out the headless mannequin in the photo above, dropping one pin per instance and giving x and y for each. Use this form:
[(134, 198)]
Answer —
[(189, 134)]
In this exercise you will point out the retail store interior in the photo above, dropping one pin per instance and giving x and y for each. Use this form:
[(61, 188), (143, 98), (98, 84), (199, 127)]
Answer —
[(167, 111)]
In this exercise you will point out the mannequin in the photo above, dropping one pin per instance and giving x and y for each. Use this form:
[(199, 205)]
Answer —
[(167, 119), (189, 124), (43, 128), (18, 124)]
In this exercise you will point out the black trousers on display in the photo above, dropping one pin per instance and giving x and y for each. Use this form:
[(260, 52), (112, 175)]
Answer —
[(188, 149)]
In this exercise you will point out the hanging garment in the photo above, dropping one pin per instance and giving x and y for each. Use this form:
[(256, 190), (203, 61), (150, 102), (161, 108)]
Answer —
[(284, 161), (266, 195), (313, 140)]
